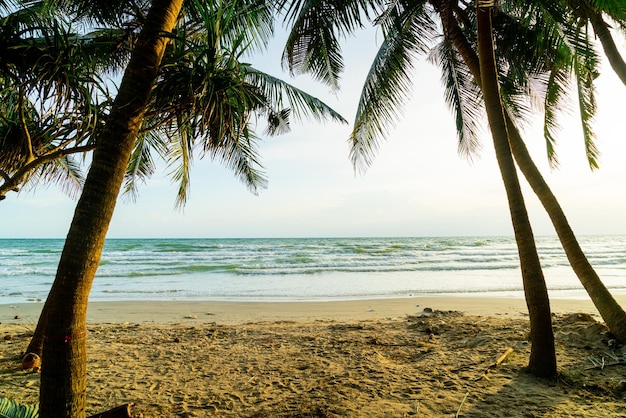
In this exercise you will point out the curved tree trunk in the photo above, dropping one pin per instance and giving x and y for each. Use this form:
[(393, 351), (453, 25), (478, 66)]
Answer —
[(542, 356), (609, 309), (608, 45), (607, 306), (63, 373)]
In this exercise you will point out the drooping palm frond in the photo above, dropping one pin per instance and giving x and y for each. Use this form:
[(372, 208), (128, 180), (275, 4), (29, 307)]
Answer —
[(462, 95), (388, 83), (317, 26), (554, 104), (585, 69), (180, 157), (142, 164), (64, 171), (12, 409), (280, 94)]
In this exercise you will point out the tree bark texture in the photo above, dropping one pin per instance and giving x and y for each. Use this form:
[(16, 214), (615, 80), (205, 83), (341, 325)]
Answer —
[(608, 45), (63, 374), (612, 313), (542, 360)]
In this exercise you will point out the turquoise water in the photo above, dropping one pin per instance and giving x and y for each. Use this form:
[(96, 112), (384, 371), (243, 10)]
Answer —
[(306, 269)]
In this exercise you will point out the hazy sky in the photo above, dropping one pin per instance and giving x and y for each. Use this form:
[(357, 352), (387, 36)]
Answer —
[(417, 186)]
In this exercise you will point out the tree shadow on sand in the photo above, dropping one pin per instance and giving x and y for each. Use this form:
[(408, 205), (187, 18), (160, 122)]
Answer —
[(590, 383)]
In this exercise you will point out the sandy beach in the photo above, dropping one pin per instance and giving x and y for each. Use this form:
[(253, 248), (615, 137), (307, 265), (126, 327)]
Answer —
[(419, 356)]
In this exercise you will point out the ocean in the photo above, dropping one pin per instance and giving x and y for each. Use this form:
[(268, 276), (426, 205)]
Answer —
[(307, 269)]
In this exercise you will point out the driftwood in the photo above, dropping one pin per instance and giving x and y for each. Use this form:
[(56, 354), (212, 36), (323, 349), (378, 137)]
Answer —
[(496, 363), (122, 411)]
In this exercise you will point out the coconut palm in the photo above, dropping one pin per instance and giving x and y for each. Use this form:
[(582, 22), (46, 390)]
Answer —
[(542, 360), (216, 107), (593, 12), (583, 64), (408, 29), (63, 378), (52, 96)]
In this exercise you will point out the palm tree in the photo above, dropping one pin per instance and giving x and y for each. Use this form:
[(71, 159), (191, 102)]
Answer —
[(63, 378), (610, 310), (218, 86), (542, 356), (220, 98), (52, 97), (387, 83), (592, 12)]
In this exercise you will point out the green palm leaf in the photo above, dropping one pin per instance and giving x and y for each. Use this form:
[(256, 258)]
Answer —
[(12, 409), (317, 26), (462, 95), (388, 83), (279, 93)]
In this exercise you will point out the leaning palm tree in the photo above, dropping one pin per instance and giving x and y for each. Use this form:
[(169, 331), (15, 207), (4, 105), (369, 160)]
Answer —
[(63, 388), (221, 111), (408, 28), (579, 61), (406, 34), (542, 355)]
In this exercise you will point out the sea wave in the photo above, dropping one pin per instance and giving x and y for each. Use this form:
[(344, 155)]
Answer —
[(299, 268)]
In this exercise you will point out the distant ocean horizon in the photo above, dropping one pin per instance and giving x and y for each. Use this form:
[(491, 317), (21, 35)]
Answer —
[(307, 269)]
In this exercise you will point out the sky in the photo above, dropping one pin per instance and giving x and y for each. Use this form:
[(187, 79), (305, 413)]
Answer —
[(418, 185)]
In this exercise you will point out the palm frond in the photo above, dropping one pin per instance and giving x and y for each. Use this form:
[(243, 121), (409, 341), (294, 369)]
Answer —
[(93, 13), (241, 155), (279, 93), (142, 165), (462, 95), (586, 71), (388, 84), (313, 45), (181, 146), (12, 409), (554, 104), (66, 172), (248, 22), (616, 9)]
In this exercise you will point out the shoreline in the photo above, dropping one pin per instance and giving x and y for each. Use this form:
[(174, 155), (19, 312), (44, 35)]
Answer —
[(241, 312)]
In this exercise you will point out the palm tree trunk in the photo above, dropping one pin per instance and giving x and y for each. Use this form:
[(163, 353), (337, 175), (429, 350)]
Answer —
[(63, 377), (612, 313), (608, 45), (542, 357)]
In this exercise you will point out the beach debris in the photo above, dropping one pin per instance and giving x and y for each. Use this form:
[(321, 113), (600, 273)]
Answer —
[(16, 317), (31, 361), (8, 337), (177, 339), (191, 316), (602, 363), (426, 312), (458, 411), (496, 363), (122, 411)]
